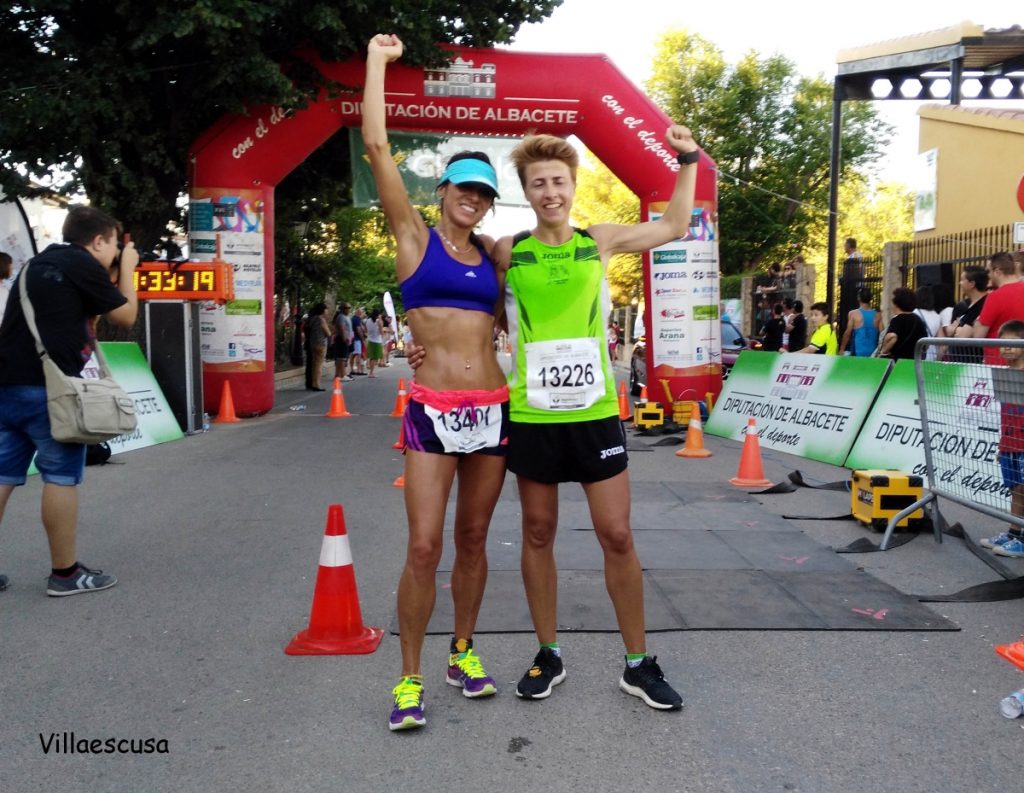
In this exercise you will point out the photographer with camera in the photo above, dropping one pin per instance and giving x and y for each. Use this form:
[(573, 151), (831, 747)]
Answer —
[(68, 286)]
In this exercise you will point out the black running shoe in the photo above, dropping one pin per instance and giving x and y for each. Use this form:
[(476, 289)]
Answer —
[(648, 683), (3, 582), (547, 671)]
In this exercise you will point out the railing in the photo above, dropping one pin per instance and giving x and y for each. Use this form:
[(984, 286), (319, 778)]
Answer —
[(964, 418)]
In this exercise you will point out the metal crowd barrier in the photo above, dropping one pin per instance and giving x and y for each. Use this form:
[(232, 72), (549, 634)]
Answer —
[(960, 405)]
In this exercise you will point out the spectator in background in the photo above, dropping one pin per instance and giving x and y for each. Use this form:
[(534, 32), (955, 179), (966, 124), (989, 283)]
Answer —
[(1011, 449), (974, 288), (773, 331), (374, 340), (926, 311), (1002, 305), (342, 341), (788, 279), (357, 361), (318, 334), (797, 328), (6, 263), (613, 340), (823, 336), (787, 316), (905, 327), (68, 286), (772, 283), (863, 325), (853, 263)]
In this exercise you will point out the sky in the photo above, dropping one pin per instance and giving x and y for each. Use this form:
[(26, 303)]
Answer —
[(808, 32)]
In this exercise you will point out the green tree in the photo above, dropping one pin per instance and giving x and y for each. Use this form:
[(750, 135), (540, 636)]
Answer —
[(873, 214), (769, 130), (602, 198), (106, 97)]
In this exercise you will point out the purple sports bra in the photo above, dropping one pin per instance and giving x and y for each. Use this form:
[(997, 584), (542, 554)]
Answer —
[(443, 282)]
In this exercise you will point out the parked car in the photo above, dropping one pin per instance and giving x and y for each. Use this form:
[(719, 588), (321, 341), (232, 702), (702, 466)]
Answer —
[(733, 343)]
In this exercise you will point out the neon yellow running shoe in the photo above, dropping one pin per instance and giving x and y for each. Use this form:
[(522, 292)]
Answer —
[(407, 714), (466, 671)]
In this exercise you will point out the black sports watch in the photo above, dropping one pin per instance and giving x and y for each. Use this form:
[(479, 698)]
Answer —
[(688, 158)]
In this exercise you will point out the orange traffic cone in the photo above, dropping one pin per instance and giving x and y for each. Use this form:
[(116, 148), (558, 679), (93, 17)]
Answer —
[(400, 443), (400, 482), (400, 399), (226, 412), (335, 621), (1014, 653), (751, 471), (624, 412), (338, 409), (643, 394), (694, 437)]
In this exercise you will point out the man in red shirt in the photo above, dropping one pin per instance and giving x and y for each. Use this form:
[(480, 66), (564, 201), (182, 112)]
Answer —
[(1002, 305)]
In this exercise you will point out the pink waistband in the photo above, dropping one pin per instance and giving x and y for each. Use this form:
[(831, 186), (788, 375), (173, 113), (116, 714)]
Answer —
[(452, 400)]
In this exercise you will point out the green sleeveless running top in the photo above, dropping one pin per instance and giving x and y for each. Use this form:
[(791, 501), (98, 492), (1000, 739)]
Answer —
[(556, 300)]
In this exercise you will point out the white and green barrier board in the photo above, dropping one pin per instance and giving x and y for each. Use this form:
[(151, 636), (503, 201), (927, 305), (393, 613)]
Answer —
[(809, 405), (156, 421)]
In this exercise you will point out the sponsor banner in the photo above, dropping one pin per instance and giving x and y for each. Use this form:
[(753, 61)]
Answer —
[(684, 304), (964, 428), (809, 405), (233, 336)]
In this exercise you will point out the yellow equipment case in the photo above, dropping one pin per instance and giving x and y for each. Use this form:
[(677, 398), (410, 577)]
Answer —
[(876, 495)]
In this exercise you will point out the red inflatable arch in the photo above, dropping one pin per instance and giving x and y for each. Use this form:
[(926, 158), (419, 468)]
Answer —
[(236, 164)]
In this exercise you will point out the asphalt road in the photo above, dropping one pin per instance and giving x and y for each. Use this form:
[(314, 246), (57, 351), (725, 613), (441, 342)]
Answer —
[(216, 541)]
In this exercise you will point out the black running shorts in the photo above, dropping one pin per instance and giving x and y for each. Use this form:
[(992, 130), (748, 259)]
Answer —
[(581, 451)]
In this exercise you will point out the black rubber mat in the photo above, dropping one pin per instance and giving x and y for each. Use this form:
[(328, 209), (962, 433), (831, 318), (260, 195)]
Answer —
[(583, 605), (713, 559)]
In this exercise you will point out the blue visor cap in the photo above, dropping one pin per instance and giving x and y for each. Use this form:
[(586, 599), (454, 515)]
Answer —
[(471, 171)]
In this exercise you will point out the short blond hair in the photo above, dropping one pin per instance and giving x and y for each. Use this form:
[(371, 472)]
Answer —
[(539, 148)]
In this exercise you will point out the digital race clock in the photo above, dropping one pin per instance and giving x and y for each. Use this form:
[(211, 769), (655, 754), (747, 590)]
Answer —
[(187, 281)]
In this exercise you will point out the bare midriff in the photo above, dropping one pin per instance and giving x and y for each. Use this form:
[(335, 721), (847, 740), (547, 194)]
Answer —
[(460, 349)]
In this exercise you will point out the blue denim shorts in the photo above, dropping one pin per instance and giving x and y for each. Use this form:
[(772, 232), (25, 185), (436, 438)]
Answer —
[(1011, 464), (24, 431)]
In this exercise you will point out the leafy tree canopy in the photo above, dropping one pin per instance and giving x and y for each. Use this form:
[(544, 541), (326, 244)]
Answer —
[(106, 97), (602, 198), (769, 130)]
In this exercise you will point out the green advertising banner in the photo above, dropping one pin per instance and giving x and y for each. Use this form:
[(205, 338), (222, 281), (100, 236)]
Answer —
[(156, 421), (421, 157), (131, 370), (809, 405)]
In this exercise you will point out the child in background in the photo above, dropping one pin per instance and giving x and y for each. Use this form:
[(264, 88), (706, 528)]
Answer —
[(1011, 449), (823, 335)]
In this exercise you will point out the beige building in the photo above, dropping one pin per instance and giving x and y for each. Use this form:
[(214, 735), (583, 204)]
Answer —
[(979, 166)]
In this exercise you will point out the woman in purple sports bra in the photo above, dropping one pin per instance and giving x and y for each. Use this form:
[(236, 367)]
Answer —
[(456, 422)]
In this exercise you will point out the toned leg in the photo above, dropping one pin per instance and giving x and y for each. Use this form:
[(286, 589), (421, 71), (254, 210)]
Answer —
[(60, 519), (428, 480), (480, 479), (623, 576), (540, 576)]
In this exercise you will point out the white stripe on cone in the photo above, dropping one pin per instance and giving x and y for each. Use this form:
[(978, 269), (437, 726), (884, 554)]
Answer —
[(335, 551)]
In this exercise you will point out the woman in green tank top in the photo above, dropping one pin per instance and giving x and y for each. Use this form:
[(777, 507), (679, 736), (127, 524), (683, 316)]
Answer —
[(562, 392)]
